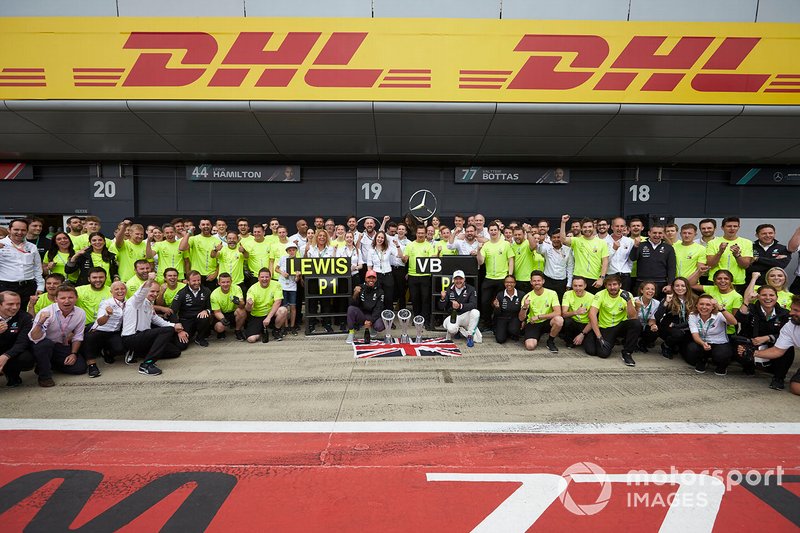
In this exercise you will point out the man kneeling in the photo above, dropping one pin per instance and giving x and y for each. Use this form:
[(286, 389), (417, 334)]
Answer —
[(365, 308), (541, 311), (612, 315), (265, 306), (461, 301), (227, 304)]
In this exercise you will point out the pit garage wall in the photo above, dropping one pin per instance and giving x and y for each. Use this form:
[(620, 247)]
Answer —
[(162, 191)]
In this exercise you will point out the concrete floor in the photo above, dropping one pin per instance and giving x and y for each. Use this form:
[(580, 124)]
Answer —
[(317, 379)]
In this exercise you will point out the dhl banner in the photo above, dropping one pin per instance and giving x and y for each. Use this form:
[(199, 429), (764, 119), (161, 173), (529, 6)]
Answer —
[(431, 60)]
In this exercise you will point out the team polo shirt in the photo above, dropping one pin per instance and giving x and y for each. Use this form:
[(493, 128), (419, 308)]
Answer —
[(200, 253), (731, 301), (80, 242), (523, 260), (727, 261), (336, 243), (43, 301), (541, 304), (258, 255), (231, 260), (277, 250), (610, 311), (442, 249), (589, 254), (416, 249), (572, 302), (264, 298), (495, 257), (97, 260), (127, 255), (89, 300), (60, 260), (272, 239), (133, 285), (687, 257), (169, 294), (221, 301), (169, 256)]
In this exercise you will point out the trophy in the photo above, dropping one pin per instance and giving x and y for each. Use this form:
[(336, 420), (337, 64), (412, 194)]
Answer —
[(419, 323), (404, 316), (387, 315)]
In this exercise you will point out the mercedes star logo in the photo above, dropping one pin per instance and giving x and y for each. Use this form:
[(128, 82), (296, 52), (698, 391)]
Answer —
[(422, 204)]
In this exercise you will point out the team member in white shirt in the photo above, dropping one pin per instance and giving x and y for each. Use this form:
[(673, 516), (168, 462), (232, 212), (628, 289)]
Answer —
[(398, 240), (380, 260), (20, 263), (468, 245), (619, 249), (559, 262), (789, 338), (104, 337)]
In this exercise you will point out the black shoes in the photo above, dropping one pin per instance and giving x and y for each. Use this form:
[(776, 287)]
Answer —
[(277, 334), (149, 369), (13, 381), (665, 351), (130, 358), (551, 345), (240, 335), (201, 342), (93, 371), (721, 371), (775, 384), (328, 328), (221, 336), (628, 359), (700, 367)]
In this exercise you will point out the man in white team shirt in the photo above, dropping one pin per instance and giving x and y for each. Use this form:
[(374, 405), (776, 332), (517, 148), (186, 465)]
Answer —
[(619, 249), (367, 239), (469, 245)]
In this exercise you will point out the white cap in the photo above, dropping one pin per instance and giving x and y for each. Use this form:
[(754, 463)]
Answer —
[(289, 245), (458, 274)]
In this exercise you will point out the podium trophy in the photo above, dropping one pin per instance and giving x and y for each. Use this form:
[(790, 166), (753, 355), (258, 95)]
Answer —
[(404, 317), (419, 323), (387, 315)]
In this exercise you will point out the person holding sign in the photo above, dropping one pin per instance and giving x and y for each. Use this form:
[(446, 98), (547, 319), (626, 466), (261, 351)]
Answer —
[(265, 305), (461, 301), (365, 308), (289, 284), (541, 311), (612, 315)]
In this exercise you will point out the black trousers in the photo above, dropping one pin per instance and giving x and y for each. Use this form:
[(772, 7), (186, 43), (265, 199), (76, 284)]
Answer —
[(50, 355), (399, 274), (720, 354), (489, 290), (505, 327), (794, 288), (154, 344), (629, 329), (210, 285), (386, 282), (420, 289), (648, 336), (25, 289), (571, 329), (199, 327), (676, 338), (94, 341), (22, 362), (558, 285), (590, 286), (627, 281)]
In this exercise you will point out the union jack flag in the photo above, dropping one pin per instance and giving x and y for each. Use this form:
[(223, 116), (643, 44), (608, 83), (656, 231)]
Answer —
[(427, 347)]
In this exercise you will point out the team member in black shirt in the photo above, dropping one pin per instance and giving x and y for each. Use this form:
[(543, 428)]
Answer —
[(35, 227), (767, 252), (15, 355), (192, 307), (507, 304), (655, 260)]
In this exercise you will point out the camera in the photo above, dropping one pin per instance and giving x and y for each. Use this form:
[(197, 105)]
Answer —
[(236, 300)]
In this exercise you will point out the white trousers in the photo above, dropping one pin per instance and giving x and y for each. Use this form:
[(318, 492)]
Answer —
[(466, 324)]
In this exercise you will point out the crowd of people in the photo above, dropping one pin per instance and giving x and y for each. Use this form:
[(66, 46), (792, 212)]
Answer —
[(147, 293)]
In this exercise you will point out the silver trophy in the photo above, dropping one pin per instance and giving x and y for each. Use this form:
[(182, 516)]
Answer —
[(387, 315), (419, 323), (404, 316)]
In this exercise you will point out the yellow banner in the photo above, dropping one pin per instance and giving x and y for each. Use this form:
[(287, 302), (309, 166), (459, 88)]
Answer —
[(430, 60)]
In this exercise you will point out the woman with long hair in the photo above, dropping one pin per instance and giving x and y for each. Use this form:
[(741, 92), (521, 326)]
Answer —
[(646, 307), (673, 318), (776, 278), (96, 254), (56, 258), (761, 324), (349, 250), (319, 247), (381, 258), (708, 326)]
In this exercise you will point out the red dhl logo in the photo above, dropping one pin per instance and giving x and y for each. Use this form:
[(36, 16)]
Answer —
[(541, 71)]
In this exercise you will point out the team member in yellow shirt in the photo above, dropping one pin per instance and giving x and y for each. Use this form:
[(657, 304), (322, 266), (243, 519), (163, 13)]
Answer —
[(612, 315), (575, 309), (38, 302), (591, 253), (264, 306), (541, 311), (90, 296), (256, 252), (730, 252), (129, 250), (227, 305), (419, 285), (688, 254), (168, 252), (168, 290), (497, 255), (200, 248), (230, 259)]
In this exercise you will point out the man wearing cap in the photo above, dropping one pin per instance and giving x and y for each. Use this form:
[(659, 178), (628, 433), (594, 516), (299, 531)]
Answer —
[(365, 307), (461, 301)]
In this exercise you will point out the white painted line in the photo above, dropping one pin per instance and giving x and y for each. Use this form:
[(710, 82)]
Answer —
[(183, 426)]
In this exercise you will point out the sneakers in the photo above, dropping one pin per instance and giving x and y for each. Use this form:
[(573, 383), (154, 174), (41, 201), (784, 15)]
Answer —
[(277, 334), (721, 371), (109, 359), (130, 358), (240, 335), (700, 367), (367, 337), (642, 347), (628, 359), (775, 384), (221, 336), (264, 335), (349, 339), (328, 328), (551, 345), (294, 331), (149, 369), (93, 371), (201, 342), (470, 341), (16, 381), (448, 337), (665, 351), (46, 382)]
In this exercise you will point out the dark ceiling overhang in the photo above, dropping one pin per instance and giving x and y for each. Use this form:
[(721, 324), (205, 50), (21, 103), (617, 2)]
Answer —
[(461, 133)]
